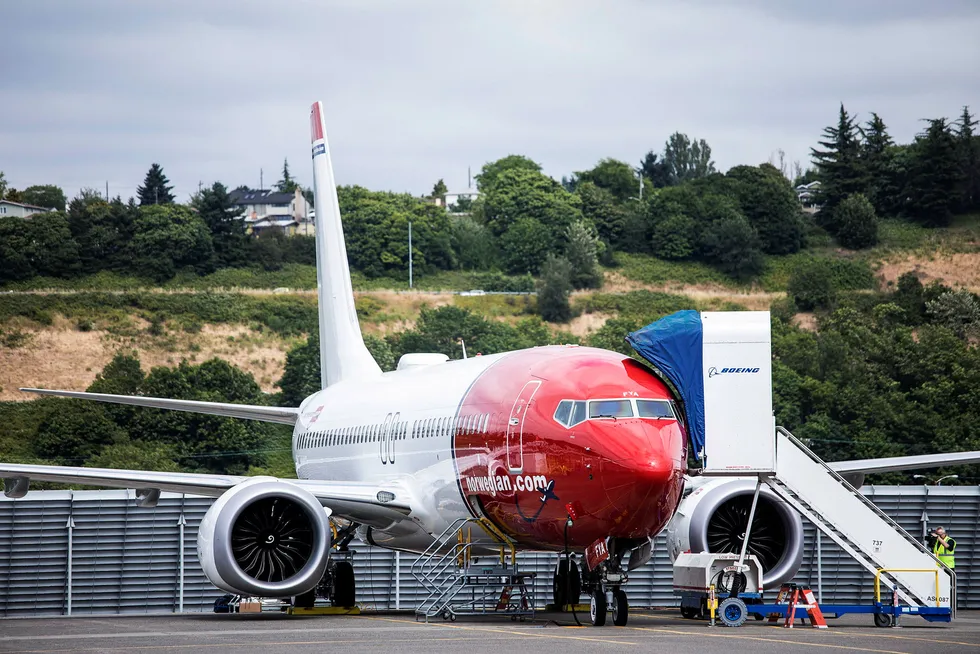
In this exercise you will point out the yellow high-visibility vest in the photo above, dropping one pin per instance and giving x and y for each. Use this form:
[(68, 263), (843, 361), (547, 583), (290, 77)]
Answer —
[(943, 554)]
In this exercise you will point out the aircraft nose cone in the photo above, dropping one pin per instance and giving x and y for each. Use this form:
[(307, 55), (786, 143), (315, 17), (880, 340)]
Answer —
[(642, 481)]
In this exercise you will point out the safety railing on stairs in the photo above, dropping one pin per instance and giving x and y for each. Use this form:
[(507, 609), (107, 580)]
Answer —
[(898, 529)]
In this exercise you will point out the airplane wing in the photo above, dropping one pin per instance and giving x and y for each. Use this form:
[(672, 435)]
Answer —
[(282, 415), (891, 464), (353, 500)]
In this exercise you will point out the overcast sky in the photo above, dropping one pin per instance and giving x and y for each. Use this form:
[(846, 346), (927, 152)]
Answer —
[(95, 91)]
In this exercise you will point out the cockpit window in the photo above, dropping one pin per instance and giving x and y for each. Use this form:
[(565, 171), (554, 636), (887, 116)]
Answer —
[(563, 412), (659, 409), (578, 414), (610, 409)]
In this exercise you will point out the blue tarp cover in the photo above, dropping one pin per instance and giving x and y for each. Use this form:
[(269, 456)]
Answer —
[(674, 345)]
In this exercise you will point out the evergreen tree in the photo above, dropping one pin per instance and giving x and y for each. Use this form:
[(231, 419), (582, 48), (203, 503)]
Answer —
[(875, 153), (3, 185), (655, 170), (582, 253), (934, 175), (969, 158), (156, 188), (225, 222), (287, 184), (555, 288), (838, 166), (857, 224), (439, 189)]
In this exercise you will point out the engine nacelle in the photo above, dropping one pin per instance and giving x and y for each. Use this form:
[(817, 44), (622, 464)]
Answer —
[(265, 538), (713, 517)]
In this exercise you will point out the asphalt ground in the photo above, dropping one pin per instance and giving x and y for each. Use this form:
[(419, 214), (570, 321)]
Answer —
[(648, 630)]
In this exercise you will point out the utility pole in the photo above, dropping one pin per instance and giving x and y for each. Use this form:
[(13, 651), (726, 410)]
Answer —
[(410, 254), (200, 184), (107, 190), (469, 178), (261, 185)]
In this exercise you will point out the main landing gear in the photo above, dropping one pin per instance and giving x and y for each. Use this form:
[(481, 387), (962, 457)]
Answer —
[(603, 585)]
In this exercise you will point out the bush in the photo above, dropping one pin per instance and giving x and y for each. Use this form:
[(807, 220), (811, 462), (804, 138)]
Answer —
[(811, 285), (956, 310), (857, 224)]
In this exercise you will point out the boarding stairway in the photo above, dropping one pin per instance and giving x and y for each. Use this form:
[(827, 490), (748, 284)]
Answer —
[(463, 577), (873, 539)]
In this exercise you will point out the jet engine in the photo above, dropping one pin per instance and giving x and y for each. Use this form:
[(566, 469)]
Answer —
[(266, 538), (714, 515)]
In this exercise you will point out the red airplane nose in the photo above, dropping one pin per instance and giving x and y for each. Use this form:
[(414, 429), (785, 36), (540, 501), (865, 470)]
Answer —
[(641, 475)]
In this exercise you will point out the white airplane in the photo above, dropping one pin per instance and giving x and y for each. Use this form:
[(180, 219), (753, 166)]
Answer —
[(522, 439)]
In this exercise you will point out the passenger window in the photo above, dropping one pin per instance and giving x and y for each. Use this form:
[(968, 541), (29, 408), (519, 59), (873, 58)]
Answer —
[(563, 412), (610, 409)]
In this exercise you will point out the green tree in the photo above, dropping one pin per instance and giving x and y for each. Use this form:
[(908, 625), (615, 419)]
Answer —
[(687, 159), (287, 184), (473, 243), (524, 246), (77, 431), (136, 456), (732, 245), (674, 236), (582, 253), (47, 195), (168, 238), (958, 311), (301, 374), (103, 231), (15, 250), (52, 250), (518, 193), (617, 177), (934, 175), (156, 187), (226, 225), (3, 185), (811, 285), (968, 147), (376, 232), (876, 155), (439, 190), (600, 207), (655, 169), (857, 224), (768, 201), (486, 179), (554, 290), (839, 166), (203, 442)]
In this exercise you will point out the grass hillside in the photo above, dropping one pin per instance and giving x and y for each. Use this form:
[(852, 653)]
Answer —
[(60, 333)]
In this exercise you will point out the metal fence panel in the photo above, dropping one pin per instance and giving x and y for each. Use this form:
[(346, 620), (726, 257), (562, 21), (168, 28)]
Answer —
[(126, 559)]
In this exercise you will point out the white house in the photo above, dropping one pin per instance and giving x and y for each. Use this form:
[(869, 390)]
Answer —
[(271, 209), (452, 199), (19, 209), (807, 195)]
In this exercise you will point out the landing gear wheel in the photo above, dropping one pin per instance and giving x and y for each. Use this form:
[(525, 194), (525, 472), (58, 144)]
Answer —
[(733, 612), (343, 585), (597, 610), (689, 613), (620, 608), (305, 601), (567, 584), (883, 620)]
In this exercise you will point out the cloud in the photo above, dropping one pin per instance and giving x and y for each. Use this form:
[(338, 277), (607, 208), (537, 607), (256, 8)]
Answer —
[(419, 91)]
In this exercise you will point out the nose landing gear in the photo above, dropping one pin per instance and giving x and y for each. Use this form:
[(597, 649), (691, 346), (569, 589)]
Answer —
[(604, 583)]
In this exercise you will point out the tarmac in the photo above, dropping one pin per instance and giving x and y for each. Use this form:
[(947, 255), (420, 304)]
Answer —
[(648, 630)]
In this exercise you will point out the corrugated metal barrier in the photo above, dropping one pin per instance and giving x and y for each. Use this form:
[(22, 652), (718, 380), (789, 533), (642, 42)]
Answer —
[(90, 552)]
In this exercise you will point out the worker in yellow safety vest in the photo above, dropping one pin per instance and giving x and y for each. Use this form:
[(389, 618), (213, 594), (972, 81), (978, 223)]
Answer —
[(943, 546)]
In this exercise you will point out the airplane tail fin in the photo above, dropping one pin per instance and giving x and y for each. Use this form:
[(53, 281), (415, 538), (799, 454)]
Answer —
[(343, 354)]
